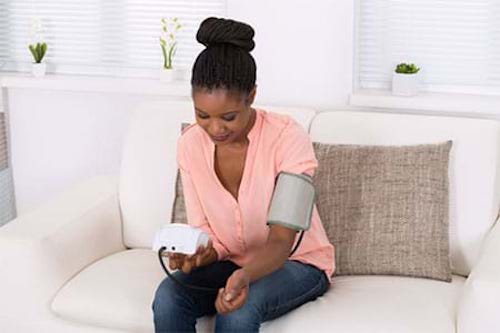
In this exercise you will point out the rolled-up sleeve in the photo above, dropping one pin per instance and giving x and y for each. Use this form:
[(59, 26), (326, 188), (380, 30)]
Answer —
[(295, 152), (194, 210)]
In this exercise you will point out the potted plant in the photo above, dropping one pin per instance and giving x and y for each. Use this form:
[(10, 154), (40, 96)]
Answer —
[(405, 80), (38, 51), (168, 43)]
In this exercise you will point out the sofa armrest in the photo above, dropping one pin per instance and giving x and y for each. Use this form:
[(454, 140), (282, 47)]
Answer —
[(480, 303), (40, 251)]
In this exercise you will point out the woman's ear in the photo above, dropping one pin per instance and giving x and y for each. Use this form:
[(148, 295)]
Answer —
[(251, 96)]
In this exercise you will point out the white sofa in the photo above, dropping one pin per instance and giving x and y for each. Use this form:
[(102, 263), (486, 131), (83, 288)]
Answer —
[(82, 263)]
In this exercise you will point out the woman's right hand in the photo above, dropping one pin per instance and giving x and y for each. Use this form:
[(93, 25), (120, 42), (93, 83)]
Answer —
[(186, 263)]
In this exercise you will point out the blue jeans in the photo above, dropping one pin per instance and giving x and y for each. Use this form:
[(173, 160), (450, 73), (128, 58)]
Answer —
[(176, 308)]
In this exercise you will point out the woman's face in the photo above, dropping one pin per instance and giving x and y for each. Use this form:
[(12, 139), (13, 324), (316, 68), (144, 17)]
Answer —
[(223, 115)]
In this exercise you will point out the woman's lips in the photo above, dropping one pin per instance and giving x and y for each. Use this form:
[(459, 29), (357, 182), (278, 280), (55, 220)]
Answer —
[(221, 137)]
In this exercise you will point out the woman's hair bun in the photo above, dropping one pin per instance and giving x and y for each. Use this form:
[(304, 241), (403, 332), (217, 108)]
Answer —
[(214, 31)]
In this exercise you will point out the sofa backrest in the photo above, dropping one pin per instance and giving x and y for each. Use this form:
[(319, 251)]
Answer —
[(474, 164), (149, 167)]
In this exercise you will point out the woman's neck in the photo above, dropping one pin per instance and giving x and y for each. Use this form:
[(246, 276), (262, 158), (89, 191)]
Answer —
[(243, 140)]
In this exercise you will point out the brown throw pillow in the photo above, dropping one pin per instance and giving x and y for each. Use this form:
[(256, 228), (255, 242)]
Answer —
[(179, 208), (385, 208), (3, 143)]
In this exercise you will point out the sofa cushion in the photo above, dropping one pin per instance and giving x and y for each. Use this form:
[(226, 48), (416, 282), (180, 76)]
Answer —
[(386, 208), (148, 168), (474, 164), (377, 304), (117, 292)]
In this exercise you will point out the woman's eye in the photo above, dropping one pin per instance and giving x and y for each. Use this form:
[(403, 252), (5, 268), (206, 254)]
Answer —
[(229, 118), (202, 116)]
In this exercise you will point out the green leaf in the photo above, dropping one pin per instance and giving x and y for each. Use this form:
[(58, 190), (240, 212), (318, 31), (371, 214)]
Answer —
[(38, 51), (164, 56), (405, 68), (33, 52), (170, 56), (43, 51), (175, 51)]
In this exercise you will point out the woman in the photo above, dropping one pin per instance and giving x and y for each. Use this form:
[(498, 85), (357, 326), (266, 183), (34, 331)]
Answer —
[(229, 161)]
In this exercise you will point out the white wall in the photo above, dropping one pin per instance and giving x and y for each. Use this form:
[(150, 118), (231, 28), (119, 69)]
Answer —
[(304, 58), (304, 49), (59, 138)]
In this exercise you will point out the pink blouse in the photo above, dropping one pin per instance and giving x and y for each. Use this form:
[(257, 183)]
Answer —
[(238, 227)]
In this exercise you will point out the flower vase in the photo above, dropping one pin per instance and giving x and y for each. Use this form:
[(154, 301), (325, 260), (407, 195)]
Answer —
[(39, 69), (405, 84), (166, 75)]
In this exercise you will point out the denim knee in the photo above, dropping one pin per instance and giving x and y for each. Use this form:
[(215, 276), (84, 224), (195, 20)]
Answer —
[(173, 308), (246, 319), (164, 300)]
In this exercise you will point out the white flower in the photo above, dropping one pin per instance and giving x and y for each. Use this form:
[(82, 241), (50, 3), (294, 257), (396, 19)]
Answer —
[(36, 25), (36, 32), (169, 29)]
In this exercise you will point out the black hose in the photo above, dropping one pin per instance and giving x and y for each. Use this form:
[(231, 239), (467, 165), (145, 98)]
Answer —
[(189, 286), (298, 243), (185, 285)]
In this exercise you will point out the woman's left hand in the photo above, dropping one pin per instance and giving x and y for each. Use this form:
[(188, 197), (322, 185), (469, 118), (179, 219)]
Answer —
[(234, 295)]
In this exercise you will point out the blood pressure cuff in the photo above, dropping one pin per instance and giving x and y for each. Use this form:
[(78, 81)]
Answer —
[(292, 202)]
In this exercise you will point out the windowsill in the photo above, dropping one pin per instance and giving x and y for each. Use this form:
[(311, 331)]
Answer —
[(441, 102), (83, 83)]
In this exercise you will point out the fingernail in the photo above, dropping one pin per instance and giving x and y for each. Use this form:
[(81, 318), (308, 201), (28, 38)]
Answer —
[(228, 297)]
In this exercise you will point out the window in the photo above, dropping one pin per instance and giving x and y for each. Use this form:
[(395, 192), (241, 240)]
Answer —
[(455, 42), (101, 37)]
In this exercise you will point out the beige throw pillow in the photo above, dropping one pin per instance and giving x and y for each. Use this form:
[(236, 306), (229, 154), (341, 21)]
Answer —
[(385, 208)]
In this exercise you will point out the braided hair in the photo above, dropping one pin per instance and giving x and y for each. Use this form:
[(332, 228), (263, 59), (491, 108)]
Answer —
[(226, 62)]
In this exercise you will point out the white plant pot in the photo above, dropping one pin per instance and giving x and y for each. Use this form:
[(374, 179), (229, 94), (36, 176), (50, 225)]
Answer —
[(180, 74), (39, 69), (405, 84), (166, 75)]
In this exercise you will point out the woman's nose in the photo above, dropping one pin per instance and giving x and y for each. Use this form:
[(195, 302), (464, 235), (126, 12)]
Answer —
[(216, 128)]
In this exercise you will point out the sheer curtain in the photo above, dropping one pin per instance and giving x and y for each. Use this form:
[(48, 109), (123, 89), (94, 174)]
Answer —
[(455, 42), (7, 206), (100, 37)]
